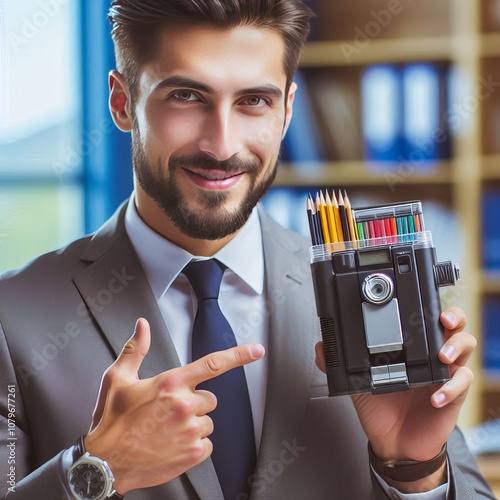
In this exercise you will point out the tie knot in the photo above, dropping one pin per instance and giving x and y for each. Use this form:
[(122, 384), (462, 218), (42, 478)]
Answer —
[(205, 277)]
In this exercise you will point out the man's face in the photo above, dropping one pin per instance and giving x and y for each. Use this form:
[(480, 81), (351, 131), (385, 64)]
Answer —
[(207, 126)]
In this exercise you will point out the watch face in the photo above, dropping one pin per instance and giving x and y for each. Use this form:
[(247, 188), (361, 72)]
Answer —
[(87, 481)]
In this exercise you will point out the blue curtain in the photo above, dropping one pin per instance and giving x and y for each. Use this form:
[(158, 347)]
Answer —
[(107, 151)]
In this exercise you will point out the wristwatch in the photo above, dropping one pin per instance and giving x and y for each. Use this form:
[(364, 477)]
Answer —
[(90, 478)]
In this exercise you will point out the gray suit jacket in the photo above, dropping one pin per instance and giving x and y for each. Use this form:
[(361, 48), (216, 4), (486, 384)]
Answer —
[(66, 316)]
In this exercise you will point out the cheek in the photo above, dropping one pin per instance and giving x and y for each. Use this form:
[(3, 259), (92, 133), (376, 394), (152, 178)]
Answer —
[(173, 130), (266, 136)]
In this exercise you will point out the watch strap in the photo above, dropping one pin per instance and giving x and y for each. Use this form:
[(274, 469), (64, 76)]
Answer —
[(407, 471)]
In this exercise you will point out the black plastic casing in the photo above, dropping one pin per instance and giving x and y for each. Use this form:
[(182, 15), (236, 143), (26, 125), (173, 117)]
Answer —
[(338, 283)]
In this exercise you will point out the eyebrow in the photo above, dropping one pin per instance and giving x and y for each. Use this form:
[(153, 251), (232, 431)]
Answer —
[(180, 81)]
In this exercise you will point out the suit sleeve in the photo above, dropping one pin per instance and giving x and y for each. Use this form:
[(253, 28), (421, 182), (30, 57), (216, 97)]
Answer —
[(465, 481), (44, 483)]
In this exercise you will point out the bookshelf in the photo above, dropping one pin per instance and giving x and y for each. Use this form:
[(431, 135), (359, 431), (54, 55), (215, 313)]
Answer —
[(465, 36)]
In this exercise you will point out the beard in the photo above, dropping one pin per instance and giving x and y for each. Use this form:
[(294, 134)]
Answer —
[(214, 221)]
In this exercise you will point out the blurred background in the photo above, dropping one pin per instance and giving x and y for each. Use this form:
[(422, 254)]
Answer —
[(398, 100)]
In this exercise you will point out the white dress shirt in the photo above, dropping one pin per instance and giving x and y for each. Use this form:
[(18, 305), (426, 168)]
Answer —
[(241, 296), (241, 299)]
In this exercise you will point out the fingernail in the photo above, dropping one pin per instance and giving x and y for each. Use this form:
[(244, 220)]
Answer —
[(450, 352), (257, 351), (439, 399), (450, 317)]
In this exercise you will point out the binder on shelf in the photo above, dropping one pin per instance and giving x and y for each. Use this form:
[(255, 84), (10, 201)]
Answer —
[(491, 334), (426, 132), (302, 142), (382, 104), (491, 16), (491, 229), (404, 114), (337, 108)]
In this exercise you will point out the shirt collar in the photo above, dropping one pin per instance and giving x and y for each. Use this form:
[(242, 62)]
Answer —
[(163, 261)]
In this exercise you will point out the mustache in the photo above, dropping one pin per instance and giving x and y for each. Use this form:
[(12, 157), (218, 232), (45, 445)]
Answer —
[(231, 165)]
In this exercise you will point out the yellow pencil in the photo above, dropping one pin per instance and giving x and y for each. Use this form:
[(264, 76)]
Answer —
[(331, 218), (350, 220), (336, 211), (324, 219)]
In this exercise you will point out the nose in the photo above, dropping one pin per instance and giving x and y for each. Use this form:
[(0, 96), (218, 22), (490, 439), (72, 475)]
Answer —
[(220, 137)]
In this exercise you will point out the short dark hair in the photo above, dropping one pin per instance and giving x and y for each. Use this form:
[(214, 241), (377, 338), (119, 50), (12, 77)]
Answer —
[(136, 25)]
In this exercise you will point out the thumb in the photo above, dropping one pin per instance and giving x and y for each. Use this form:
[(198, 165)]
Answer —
[(136, 349), (129, 361), (320, 357)]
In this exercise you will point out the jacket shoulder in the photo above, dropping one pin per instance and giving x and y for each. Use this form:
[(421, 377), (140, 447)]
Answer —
[(46, 267)]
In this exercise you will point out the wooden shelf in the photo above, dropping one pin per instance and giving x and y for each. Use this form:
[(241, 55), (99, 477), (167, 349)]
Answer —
[(490, 282), (490, 45), (490, 381), (360, 173), (491, 167), (345, 53)]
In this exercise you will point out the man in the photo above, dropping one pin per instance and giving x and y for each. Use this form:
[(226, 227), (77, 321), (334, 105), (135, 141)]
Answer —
[(205, 88)]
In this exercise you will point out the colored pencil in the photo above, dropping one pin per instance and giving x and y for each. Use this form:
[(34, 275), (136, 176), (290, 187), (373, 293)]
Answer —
[(338, 224), (331, 219), (310, 220), (350, 219), (324, 219), (343, 218)]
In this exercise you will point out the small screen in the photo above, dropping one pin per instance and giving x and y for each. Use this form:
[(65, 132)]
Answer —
[(374, 257)]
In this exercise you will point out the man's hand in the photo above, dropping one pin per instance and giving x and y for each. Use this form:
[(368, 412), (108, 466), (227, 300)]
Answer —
[(415, 424), (151, 431)]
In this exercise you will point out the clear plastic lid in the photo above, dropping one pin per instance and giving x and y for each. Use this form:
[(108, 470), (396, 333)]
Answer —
[(321, 253)]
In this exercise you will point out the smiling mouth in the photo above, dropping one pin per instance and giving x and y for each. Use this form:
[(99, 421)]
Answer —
[(214, 179)]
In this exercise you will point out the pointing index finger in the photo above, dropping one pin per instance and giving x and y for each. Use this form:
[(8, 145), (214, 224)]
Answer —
[(215, 364)]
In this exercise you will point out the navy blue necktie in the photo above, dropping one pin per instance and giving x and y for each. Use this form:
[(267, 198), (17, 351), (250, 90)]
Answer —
[(234, 454)]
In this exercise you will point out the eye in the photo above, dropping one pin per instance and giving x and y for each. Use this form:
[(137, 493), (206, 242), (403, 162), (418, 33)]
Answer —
[(185, 96), (255, 101)]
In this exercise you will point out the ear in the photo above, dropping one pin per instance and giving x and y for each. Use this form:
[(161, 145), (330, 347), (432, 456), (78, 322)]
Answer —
[(289, 106), (119, 101)]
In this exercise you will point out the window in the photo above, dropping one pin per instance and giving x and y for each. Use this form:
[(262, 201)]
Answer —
[(41, 152)]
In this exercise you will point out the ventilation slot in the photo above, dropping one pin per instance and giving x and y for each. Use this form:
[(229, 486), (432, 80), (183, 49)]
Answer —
[(329, 342)]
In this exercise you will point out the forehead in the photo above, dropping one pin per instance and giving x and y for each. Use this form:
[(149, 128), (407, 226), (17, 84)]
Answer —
[(221, 58)]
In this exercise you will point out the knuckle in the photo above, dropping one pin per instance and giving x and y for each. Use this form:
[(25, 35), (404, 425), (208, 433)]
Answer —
[(129, 348), (170, 383), (240, 355), (182, 407), (473, 341), (198, 451), (194, 428), (467, 373), (213, 363), (212, 402), (111, 375), (209, 425)]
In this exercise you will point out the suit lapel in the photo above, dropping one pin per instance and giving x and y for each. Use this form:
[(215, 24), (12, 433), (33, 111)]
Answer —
[(291, 340), (116, 292)]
